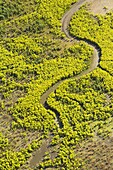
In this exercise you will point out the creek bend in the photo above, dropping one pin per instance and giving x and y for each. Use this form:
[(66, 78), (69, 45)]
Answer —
[(94, 62)]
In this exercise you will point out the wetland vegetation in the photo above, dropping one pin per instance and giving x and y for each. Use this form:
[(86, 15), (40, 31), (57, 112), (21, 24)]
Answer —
[(56, 109)]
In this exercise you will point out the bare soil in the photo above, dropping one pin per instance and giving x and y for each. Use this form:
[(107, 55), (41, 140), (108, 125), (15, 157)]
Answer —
[(97, 154), (100, 6)]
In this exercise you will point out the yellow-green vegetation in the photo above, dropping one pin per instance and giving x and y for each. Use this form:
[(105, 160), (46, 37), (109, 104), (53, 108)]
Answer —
[(34, 55), (88, 99), (97, 28)]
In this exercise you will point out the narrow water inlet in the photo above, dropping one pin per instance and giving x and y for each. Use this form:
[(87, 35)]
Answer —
[(94, 62), (38, 156)]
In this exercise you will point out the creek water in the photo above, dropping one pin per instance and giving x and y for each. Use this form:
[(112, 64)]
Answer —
[(38, 155)]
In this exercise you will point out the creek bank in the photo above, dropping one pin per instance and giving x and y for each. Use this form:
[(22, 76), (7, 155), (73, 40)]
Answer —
[(94, 63)]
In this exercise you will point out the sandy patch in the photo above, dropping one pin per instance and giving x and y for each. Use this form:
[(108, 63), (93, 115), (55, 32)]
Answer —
[(100, 6)]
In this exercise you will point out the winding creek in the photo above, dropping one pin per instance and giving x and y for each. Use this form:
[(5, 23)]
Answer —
[(94, 63)]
